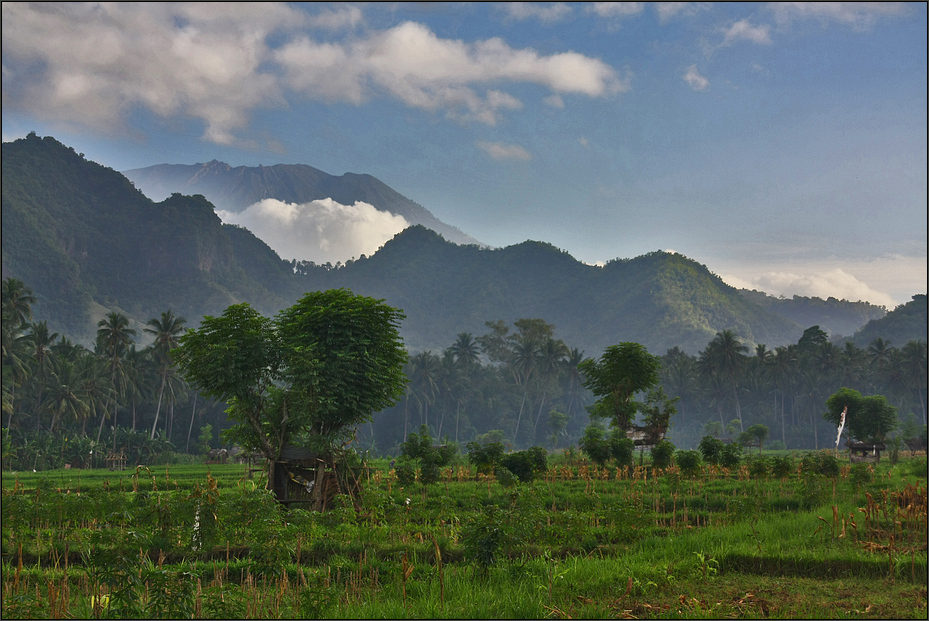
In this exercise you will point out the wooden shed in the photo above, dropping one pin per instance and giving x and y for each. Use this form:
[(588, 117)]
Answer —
[(869, 452)]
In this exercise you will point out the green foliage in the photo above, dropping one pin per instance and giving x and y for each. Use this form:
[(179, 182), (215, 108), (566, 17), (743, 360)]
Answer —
[(662, 454), (485, 458), (711, 448), (730, 456), (204, 439), (861, 474), (595, 446), (419, 449), (338, 355), (822, 463), (782, 466), (525, 465), (689, 462), (623, 371), (759, 467), (869, 419), (622, 448)]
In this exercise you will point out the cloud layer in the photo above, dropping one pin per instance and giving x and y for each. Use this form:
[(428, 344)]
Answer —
[(93, 65), (321, 231)]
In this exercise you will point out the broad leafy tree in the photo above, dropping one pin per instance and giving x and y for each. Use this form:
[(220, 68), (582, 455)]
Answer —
[(309, 376), (623, 371), (868, 419)]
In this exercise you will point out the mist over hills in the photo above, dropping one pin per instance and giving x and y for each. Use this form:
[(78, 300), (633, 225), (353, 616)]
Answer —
[(234, 189), (87, 241)]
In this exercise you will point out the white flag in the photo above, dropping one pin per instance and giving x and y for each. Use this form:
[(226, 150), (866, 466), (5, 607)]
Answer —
[(841, 427)]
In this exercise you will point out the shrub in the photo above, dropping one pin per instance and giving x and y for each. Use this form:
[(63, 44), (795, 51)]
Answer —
[(622, 448), (822, 463), (689, 462), (782, 466), (861, 474), (711, 448), (485, 458), (597, 449), (730, 456), (662, 454), (759, 467), (525, 464)]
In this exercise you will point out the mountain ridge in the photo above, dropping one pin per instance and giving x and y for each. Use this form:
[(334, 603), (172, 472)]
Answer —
[(236, 188), (86, 240)]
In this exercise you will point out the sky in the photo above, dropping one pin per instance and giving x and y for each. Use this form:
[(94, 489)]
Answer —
[(781, 145)]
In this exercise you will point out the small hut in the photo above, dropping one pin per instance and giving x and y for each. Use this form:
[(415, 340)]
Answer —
[(116, 461), (869, 452)]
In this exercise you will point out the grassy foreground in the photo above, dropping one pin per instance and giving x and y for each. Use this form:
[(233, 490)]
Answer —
[(580, 542)]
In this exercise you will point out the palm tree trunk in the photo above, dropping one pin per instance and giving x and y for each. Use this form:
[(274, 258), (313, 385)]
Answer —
[(103, 418), (519, 416), (191, 428), (158, 409)]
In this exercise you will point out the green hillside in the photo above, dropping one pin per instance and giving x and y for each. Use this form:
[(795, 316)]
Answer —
[(86, 241), (907, 322), (836, 317), (81, 235)]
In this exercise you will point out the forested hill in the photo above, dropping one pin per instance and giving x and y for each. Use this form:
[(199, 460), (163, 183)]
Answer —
[(905, 323), (660, 300), (836, 317), (235, 188), (86, 241)]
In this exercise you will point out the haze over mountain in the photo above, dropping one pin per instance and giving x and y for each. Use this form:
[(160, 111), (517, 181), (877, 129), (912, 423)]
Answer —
[(87, 241), (302, 212)]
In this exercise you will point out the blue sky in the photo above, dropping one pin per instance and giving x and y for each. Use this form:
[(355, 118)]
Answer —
[(783, 146)]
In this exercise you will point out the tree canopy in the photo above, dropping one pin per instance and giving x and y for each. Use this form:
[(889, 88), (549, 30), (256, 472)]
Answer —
[(869, 419), (622, 371), (308, 376)]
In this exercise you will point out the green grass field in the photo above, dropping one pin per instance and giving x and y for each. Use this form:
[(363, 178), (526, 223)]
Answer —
[(580, 542)]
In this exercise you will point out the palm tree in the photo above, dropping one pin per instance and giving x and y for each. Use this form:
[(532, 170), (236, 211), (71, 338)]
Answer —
[(425, 371), (914, 369), (523, 361), (573, 381), (65, 395), (679, 377), (114, 336), (166, 331), (551, 359), (466, 349), (780, 368), (40, 342), (725, 357), (16, 300)]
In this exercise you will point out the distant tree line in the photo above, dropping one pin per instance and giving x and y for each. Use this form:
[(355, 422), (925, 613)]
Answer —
[(518, 385)]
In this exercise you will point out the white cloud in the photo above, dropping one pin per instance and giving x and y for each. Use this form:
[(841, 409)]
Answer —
[(548, 13), (501, 151), (836, 283), (346, 17), (857, 15), (584, 142), (742, 30), (412, 64), (696, 81), (555, 101), (616, 9), (668, 10), (91, 64), (94, 64), (321, 231)]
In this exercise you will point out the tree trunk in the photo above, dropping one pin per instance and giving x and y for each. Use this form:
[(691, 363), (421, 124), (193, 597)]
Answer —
[(158, 409), (191, 428), (519, 416)]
